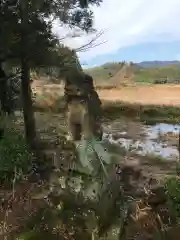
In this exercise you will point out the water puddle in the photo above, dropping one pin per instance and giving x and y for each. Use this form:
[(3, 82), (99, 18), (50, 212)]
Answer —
[(162, 128), (150, 143)]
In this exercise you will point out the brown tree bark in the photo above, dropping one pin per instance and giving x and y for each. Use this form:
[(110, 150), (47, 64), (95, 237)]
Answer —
[(29, 119), (3, 92)]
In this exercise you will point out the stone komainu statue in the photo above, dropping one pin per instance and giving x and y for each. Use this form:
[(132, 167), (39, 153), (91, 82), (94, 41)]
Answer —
[(84, 110)]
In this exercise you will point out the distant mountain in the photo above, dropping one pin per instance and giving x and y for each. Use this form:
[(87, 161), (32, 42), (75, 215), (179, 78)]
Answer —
[(152, 64)]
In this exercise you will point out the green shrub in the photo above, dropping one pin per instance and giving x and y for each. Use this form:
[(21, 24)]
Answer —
[(172, 187), (15, 158)]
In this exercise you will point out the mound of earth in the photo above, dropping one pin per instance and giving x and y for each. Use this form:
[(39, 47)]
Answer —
[(126, 75)]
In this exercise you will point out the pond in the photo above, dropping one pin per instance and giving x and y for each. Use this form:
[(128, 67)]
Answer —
[(145, 139), (160, 139)]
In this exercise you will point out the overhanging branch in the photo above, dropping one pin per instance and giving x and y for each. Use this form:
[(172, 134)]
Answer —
[(91, 44)]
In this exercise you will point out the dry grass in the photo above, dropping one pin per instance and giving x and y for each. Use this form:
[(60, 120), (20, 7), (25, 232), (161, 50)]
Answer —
[(150, 104), (16, 207), (146, 95)]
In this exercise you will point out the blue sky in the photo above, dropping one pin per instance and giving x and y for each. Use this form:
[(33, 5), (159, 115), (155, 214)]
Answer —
[(134, 30), (140, 52)]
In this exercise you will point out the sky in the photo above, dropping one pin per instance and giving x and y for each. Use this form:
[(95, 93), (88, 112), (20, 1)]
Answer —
[(134, 30)]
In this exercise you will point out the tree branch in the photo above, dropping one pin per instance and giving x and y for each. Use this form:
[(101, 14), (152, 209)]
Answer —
[(91, 44)]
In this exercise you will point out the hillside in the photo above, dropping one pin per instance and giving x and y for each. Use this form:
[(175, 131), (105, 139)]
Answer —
[(104, 72), (121, 72), (152, 64), (126, 74)]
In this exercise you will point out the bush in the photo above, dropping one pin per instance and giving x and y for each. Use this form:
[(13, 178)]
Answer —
[(172, 187), (15, 158), (161, 81)]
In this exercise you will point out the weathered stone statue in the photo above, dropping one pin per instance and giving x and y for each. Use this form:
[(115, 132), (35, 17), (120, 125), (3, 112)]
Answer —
[(83, 108), (83, 105)]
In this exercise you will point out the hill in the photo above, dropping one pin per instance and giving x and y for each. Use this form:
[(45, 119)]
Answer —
[(126, 74), (118, 73), (152, 64)]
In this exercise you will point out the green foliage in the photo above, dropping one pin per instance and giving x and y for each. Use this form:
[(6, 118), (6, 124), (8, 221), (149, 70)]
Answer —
[(102, 73), (143, 113), (40, 226), (15, 159), (37, 235), (172, 187), (171, 72), (40, 42), (158, 75)]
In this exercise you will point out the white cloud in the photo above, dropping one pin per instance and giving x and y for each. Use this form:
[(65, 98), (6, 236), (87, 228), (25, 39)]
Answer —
[(130, 22)]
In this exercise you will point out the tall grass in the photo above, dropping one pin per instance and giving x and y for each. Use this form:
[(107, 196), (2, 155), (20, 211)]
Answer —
[(15, 157), (145, 113)]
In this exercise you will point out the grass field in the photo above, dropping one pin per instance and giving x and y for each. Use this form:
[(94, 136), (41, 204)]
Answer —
[(146, 95), (146, 103), (116, 73), (156, 103), (168, 94)]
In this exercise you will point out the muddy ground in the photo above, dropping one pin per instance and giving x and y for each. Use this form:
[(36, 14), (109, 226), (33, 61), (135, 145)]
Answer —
[(152, 149), (156, 146), (124, 139)]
